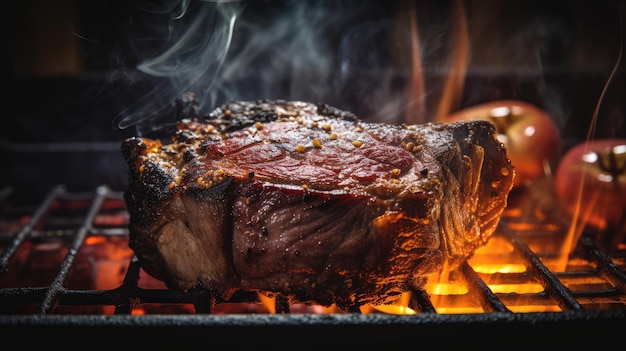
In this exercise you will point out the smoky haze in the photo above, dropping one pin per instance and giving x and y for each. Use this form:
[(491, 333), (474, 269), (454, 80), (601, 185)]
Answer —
[(356, 55), (347, 54)]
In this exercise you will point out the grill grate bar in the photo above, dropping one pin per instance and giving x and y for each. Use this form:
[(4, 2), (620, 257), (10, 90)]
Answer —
[(56, 288), (130, 294), (130, 283), (552, 285), (477, 287), (420, 302), (609, 270), (65, 233), (281, 305), (28, 227)]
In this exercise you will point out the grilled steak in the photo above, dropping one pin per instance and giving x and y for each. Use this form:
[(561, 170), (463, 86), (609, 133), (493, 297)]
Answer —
[(312, 203)]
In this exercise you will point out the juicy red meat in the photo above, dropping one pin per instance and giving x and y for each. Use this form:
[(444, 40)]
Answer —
[(312, 203)]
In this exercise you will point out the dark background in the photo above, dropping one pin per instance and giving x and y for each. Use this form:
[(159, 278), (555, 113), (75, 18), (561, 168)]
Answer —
[(78, 77)]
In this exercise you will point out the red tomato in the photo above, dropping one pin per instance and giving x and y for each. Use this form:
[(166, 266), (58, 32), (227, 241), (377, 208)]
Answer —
[(592, 175), (531, 137)]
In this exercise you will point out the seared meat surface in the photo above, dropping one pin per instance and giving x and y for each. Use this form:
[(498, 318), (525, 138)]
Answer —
[(310, 202)]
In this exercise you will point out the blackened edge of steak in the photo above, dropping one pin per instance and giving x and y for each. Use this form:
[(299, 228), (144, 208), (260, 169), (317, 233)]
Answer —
[(235, 115), (208, 209)]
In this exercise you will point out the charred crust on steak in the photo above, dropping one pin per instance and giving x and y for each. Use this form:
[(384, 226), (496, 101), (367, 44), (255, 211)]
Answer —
[(186, 106), (307, 201), (333, 112), (236, 115)]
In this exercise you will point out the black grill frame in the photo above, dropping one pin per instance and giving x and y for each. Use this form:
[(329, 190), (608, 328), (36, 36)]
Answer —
[(497, 330)]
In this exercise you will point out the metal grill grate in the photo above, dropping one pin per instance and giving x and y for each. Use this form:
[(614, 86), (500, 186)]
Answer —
[(70, 230)]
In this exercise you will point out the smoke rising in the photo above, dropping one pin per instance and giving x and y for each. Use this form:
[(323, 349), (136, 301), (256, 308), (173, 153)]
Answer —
[(355, 55), (337, 52)]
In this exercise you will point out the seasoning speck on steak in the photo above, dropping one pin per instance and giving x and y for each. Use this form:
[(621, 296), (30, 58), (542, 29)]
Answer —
[(312, 203)]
